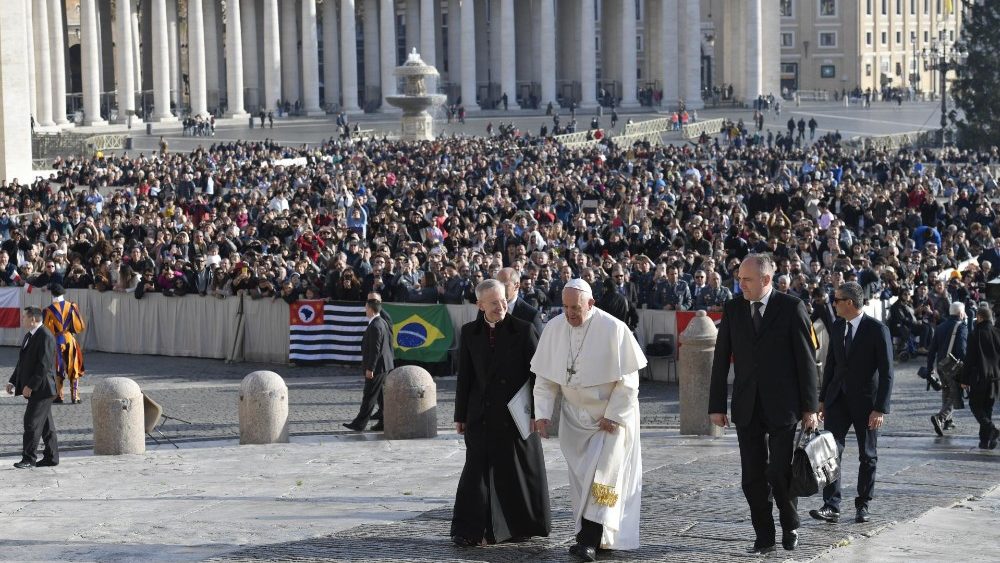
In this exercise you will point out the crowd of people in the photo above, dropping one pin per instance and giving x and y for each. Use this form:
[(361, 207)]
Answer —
[(665, 226)]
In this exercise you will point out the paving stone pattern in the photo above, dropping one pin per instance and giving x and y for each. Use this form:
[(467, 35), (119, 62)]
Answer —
[(693, 510)]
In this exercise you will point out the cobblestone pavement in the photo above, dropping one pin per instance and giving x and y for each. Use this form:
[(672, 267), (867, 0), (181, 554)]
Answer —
[(693, 510)]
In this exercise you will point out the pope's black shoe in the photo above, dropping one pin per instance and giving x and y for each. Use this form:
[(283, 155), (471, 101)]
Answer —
[(789, 540), (379, 427), (24, 464), (352, 426), (584, 552), (47, 463)]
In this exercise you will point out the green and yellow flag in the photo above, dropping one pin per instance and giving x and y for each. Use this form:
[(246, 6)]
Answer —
[(420, 333)]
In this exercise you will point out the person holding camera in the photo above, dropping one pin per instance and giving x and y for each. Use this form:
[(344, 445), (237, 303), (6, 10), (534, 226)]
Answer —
[(950, 338)]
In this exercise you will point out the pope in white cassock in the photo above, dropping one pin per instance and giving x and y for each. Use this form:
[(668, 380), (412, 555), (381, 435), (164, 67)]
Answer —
[(594, 359)]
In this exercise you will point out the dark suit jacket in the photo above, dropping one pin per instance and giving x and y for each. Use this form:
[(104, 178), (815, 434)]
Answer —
[(942, 337), (376, 347), (866, 372), (982, 360), (528, 314), (778, 364), (36, 366)]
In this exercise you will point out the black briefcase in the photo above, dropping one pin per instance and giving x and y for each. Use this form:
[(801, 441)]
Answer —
[(814, 463)]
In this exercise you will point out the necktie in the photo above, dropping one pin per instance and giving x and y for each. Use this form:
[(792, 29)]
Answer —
[(24, 343), (848, 339), (758, 318)]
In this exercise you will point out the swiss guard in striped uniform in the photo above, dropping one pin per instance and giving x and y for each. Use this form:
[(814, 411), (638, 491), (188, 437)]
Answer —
[(64, 320)]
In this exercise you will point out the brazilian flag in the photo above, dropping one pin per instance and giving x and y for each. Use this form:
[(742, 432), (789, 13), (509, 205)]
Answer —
[(420, 333)]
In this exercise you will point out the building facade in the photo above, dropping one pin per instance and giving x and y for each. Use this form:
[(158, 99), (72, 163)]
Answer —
[(840, 45), (94, 61)]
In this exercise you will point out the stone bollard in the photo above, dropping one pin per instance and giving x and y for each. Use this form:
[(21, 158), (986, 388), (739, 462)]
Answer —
[(410, 398), (263, 409), (119, 418), (695, 374)]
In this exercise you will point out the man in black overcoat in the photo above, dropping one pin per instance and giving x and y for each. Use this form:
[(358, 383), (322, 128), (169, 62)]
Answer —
[(34, 378), (503, 493), (856, 389), (769, 337)]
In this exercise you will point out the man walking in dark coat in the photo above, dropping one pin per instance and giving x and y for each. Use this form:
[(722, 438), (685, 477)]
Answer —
[(377, 361), (34, 379), (981, 376), (503, 493)]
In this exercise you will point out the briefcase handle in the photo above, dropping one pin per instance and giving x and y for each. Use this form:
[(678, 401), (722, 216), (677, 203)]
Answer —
[(804, 436)]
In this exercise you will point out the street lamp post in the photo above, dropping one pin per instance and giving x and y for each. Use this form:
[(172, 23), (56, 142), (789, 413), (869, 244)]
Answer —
[(945, 57)]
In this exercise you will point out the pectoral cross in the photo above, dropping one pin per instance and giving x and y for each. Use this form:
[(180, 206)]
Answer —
[(570, 372)]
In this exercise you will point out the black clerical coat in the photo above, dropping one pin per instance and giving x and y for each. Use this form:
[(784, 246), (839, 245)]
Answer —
[(503, 492)]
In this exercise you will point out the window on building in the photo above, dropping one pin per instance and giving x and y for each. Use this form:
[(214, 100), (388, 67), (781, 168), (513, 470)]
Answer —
[(885, 7), (899, 37), (899, 69), (638, 10), (828, 39), (785, 8), (937, 7), (868, 38), (885, 38), (868, 69), (868, 8), (926, 36), (828, 71), (638, 43), (787, 40), (913, 37), (927, 4), (899, 7), (827, 8), (913, 7)]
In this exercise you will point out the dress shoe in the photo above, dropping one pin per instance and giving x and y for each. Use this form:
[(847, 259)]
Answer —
[(462, 541), (352, 426), (862, 516), (584, 552), (938, 427), (994, 438), (46, 463), (790, 539), (378, 427), (24, 464), (58, 400), (759, 548), (826, 513)]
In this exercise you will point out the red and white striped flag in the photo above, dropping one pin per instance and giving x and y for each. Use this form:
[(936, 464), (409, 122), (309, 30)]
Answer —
[(10, 307)]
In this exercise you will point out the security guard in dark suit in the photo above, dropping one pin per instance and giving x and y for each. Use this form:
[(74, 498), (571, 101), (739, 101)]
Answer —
[(34, 378)]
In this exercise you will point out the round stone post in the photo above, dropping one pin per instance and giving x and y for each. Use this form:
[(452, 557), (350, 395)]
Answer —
[(119, 418), (410, 398), (695, 369), (263, 409)]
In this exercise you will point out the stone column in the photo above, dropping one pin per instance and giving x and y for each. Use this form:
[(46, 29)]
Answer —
[(29, 40), (588, 57), (118, 415), (387, 51), (412, 26), (43, 64), (263, 409), (215, 73), (15, 102), (508, 54), (349, 56), (754, 52), (428, 47), (331, 54), (161, 63), (58, 63), (411, 404), (453, 53), (547, 53), (371, 48), (251, 56), (234, 61), (669, 62), (173, 39), (695, 374), (469, 55), (272, 56), (628, 53), (136, 51), (690, 41), (289, 54), (310, 60), (196, 59), (90, 63)]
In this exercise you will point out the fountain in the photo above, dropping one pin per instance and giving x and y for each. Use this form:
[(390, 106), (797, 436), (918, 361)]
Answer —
[(417, 123)]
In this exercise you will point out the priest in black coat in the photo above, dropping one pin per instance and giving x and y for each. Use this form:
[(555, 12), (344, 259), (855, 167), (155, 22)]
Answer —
[(503, 493)]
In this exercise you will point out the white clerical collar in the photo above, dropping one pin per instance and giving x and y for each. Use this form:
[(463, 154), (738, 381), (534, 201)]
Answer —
[(58, 299)]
